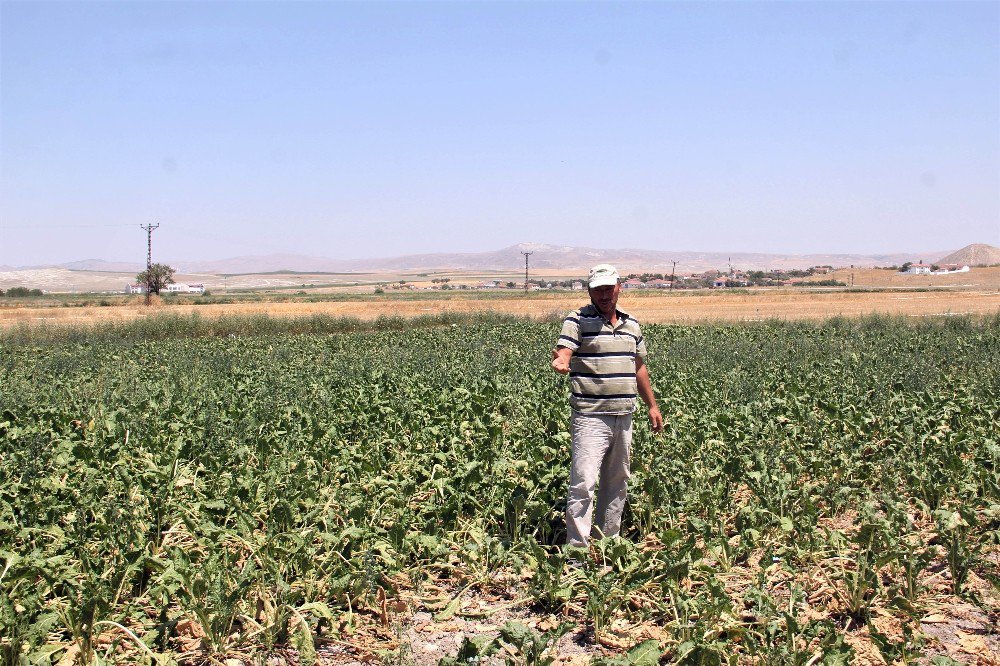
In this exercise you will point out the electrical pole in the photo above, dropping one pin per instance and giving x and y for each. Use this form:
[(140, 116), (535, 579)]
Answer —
[(149, 258), (526, 269), (672, 269)]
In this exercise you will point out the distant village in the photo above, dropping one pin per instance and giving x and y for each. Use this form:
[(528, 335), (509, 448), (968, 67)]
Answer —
[(711, 279)]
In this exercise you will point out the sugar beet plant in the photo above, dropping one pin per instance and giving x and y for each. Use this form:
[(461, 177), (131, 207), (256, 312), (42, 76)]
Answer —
[(189, 498)]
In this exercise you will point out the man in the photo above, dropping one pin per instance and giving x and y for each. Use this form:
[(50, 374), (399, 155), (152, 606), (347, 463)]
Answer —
[(603, 351)]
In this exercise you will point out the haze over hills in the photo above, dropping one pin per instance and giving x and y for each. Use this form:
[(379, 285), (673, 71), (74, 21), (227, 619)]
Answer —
[(98, 275), (254, 272), (549, 257), (99, 265)]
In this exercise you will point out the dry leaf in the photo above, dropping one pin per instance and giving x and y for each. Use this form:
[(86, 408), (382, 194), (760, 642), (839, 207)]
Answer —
[(935, 618), (547, 624), (69, 658), (612, 641), (190, 628), (576, 660), (972, 643), (656, 633)]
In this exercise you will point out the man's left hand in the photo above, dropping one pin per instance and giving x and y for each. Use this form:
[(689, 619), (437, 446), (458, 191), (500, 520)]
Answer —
[(655, 418)]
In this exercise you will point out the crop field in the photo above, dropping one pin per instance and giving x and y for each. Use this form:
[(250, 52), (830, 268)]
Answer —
[(824, 492)]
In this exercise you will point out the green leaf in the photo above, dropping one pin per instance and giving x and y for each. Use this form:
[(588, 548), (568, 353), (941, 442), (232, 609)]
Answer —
[(646, 653), (517, 635)]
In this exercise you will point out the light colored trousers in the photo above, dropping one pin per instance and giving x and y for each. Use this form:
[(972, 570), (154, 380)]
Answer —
[(602, 444)]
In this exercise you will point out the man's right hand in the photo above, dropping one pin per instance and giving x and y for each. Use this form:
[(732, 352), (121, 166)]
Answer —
[(560, 359)]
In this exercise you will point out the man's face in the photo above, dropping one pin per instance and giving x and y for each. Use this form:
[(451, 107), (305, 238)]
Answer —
[(605, 298)]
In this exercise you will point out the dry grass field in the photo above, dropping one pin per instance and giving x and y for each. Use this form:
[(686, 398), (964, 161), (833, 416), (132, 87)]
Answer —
[(677, 307), (874, 278), (875, 292)]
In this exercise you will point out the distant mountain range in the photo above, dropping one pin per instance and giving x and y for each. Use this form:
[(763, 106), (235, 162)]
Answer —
[(554, 257)]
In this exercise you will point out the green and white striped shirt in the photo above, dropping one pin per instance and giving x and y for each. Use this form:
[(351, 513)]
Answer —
[(602, 369)]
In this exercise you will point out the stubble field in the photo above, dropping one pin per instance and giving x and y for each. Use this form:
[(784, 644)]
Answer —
[(657, 307)]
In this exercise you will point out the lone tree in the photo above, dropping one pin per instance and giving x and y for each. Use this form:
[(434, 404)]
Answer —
[(156, 277)]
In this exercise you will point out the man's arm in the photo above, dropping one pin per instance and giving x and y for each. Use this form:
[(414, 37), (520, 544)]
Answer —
[(560, 359), (646, 393)]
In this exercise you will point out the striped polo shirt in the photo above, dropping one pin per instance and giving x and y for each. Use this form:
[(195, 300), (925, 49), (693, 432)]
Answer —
[(602, 368)]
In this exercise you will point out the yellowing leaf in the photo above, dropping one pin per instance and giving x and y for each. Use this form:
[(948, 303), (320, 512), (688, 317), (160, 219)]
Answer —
[(935, 618)]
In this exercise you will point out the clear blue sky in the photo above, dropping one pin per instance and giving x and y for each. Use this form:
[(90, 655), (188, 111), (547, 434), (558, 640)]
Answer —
[(354, 130)]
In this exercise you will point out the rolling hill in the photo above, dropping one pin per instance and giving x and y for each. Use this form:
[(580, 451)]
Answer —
[(977, 254)]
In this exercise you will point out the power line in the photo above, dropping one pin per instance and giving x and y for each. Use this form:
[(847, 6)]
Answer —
[(526, 269), (149, 257), (65, 226)]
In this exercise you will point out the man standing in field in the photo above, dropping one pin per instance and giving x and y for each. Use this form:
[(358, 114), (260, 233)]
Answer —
[(603, 351)]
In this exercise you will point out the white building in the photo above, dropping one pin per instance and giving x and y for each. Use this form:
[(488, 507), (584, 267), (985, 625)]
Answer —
[(951, 268), (185, 288)]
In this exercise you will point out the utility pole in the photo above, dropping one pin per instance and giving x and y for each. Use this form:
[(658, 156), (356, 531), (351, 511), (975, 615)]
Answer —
[(526, 269), (149, 258), (672, 269)]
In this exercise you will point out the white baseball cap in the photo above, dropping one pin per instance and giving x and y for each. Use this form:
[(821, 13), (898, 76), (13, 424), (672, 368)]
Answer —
[(602, 275)]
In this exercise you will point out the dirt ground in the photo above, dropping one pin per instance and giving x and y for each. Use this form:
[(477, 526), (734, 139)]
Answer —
[(407, 633), (677, 307)]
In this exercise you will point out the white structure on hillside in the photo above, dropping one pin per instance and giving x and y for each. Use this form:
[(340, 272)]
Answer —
[(951, 268), (943, 269), (185, 289)]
